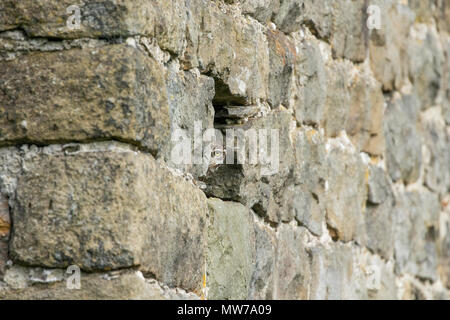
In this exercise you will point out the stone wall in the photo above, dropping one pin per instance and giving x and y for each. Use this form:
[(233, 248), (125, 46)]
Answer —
[(357, 209)]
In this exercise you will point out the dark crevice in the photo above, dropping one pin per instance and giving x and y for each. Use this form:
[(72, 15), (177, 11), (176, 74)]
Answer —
[(46, 143), (333, 232)]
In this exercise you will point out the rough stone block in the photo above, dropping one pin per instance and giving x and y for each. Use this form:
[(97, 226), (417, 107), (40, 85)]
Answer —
[(292, 270), (251, 184), (337, 104), (388, 45), (403, 140), (113, 92), (262, 282), (416, 231), (378, 218), (426, 63), (231, 250), (165, 20), (124, 285), (102, 207), (231, 49), (346, 191), (282, 54), (437, 160), (310, 83), (365, 119)]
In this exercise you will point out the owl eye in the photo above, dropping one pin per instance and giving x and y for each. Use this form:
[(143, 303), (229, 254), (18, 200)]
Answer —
[(217, 153)]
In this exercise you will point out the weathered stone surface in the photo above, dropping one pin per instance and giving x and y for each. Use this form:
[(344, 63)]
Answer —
[(353, 206), (403, 141), (310, 82), (231, 49), (346, 191), (378, 217), (190, 101), (292, 271), (317, 15), (341, 22), (378, 275), (97, 18), (256, 185), (337, 103), (310, 175), (437, 173), (413, 289), (113, 92), (416, 231), (379, 188), (331, 271), (165, 20), (262, 282), (103, 207), (281, 56), (261, 10), (10, 167), (444, 242), (349, 36), (5, 228), (426, 11), (446, 81), (349, 272), (125, 285), (231, 250), (388, 45), (426, 63), (365, 118)]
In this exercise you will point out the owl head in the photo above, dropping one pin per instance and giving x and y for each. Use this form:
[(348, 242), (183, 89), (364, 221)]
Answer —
[(214, 155)]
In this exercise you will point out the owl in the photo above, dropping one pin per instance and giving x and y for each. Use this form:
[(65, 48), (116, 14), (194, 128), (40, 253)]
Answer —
[(215, 157)]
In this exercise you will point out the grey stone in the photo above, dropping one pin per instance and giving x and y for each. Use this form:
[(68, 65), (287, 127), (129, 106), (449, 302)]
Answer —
[(437, 175), (230, 250), (346, 193), (446, 81), (238, 59), (103, 206), (416, 231), (349, 36), (5, 228), (378, 218), (310, 175), (262, 282), (444, 243), (340, 22), (16, 277), (365, 119), (403, 141), (332, 270), (337, 103), (124, 285), (388, 45), (281, 56), (292, 270), (113, 92), (310, 83), (317, 15), (426, 63), (379, 187), (261, 10), (190, 98), (254, 185), (165, 20)]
